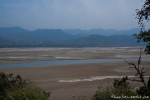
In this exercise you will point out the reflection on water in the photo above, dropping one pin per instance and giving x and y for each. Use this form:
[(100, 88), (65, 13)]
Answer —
[(63, 62)]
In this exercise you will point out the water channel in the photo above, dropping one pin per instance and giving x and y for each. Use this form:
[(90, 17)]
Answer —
[(64, 62)]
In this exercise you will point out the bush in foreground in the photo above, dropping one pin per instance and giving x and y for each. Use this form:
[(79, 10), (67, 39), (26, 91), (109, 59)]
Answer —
[(143, 91), (114, 92), (16, 88)]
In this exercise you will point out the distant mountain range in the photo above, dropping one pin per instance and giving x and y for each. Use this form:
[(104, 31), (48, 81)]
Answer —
[(18, 37), (100, 31)]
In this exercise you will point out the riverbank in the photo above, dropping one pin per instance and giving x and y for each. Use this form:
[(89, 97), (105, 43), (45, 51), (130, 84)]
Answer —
[(50, 78)]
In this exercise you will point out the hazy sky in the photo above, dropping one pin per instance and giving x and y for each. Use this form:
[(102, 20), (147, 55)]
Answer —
[(66, 14)]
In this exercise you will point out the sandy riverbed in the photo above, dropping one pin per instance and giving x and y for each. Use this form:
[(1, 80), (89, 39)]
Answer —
[(55, 78), (19, 55), (73, 80)]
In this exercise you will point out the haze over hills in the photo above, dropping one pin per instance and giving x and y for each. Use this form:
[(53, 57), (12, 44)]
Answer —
[(101, 31), (19, 37)]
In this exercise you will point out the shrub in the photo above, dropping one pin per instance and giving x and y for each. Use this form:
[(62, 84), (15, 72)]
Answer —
[(143, 91), (16, 88), (30, 93), (115, 91)]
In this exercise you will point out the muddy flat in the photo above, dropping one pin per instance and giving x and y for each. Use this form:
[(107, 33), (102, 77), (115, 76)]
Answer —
[(73, 81)]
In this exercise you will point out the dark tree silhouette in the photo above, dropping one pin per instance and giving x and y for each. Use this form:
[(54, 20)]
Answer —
[(144, 37), (144, 15), (139, 71)]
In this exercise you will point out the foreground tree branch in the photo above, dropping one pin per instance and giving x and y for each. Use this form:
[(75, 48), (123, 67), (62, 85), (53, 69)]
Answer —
[(139, 71), (143, 13)]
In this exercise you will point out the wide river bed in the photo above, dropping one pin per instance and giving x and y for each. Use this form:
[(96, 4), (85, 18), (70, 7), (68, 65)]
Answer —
[(64, 62)]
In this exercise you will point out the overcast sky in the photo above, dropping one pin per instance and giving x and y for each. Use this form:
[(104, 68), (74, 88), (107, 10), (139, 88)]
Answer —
[(70, 14)]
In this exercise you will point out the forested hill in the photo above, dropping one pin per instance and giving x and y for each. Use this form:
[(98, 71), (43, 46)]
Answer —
[(18, 37), (6, 43), (104, 41)]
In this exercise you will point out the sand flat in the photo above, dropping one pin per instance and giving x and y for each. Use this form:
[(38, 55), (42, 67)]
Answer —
[(86, 77), (19, 55), (49, 77)]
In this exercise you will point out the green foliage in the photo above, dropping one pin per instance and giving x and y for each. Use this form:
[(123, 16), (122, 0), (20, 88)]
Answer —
[(8, 83), (119, 88), (144, 37), (121, 83), (143, 91), (30, 93), (103, 94), (16, 88), (143, 13)]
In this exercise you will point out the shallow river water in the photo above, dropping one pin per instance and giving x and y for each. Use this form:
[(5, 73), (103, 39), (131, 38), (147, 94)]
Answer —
[(63, 62)]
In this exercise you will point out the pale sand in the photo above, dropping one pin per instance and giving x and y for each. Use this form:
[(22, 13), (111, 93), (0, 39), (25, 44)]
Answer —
[(49, 78)]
